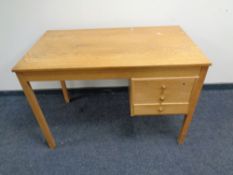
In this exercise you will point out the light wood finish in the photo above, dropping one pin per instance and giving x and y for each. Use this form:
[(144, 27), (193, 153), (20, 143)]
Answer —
[(32, 100), (131, 93), (146, 53), (161, 95), (151, 90), (116, 73), (65, 91), (193, 102), (160, 108), (112, 48)]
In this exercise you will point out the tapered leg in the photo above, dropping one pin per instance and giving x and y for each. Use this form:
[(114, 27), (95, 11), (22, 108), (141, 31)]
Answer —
[(193, 102), (184, 130), (65, 91), (32, 100)]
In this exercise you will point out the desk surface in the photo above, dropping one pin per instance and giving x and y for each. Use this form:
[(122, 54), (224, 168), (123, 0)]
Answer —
[(112, 48)]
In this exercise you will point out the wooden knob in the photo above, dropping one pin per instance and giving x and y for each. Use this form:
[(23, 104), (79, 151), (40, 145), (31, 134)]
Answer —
[(160, 109), (163, 86), (162, 98)]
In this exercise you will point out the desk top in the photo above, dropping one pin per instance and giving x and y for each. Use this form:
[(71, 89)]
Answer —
[(112, 48)]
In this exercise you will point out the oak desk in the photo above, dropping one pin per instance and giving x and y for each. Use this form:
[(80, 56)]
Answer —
[(165, 68)]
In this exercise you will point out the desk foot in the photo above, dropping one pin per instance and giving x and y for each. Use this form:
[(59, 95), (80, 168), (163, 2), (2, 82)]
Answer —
[(184, 130)]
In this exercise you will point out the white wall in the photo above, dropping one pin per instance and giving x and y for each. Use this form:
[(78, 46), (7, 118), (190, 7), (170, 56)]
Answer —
[(208, 22)]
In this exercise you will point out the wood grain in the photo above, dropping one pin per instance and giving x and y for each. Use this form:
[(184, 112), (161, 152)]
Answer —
[(112, 48), (160, 109), (193, 102), (65, 91), (150, 57), (32, 100), (150, 90), (116, 73)]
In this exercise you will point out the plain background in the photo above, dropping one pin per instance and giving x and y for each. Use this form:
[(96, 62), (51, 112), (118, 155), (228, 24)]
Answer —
[(22, 22)]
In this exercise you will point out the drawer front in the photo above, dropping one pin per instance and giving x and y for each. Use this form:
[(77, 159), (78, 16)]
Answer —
[(167, 95), (157, 108)]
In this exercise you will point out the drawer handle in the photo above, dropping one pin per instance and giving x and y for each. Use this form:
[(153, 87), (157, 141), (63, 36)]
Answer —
[(162, 98), (160, 109), (163, 87)]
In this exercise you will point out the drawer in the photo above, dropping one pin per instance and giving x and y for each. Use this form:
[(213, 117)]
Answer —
[(159, 109), (162, 95)]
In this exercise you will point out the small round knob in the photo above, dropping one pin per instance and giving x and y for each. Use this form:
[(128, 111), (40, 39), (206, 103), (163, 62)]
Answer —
[(160, 109), (162, 98), (163, 86)]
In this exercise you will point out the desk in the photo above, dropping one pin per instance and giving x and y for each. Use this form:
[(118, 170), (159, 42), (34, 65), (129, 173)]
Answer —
[(166, 70)]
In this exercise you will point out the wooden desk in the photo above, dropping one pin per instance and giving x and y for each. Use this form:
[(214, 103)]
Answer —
[(165, 68)]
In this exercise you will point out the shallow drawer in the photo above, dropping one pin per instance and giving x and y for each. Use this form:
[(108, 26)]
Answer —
[(173, 93), (159, 109)]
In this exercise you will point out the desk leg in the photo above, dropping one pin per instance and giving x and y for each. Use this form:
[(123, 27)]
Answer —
[(32, 100), (65, 91), (193, 102)]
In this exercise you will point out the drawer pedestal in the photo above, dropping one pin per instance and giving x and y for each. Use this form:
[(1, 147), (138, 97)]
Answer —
[(161, 95)]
